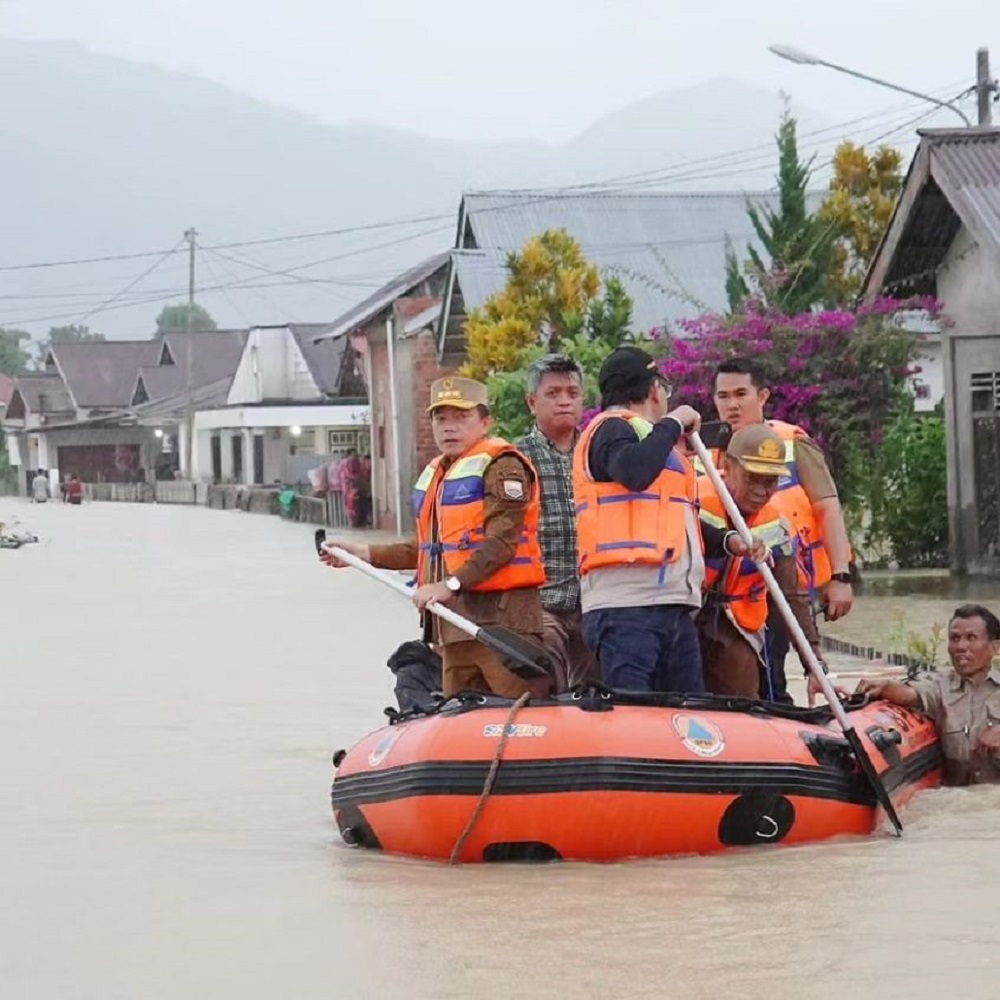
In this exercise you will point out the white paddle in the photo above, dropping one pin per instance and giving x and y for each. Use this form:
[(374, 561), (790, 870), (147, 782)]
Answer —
[(798, 637)]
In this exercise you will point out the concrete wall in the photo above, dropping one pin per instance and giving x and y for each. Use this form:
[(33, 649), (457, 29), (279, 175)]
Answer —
[(969, 288)]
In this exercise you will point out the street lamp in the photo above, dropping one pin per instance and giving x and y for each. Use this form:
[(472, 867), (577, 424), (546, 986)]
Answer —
[(801, 58)]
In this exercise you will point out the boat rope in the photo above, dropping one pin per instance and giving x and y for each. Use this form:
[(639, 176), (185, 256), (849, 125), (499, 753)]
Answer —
[(491, 778)]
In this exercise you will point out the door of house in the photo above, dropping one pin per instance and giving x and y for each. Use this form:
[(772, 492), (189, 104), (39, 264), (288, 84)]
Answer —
[(216, 458), (236, 443), (258, 458), (985, 388)]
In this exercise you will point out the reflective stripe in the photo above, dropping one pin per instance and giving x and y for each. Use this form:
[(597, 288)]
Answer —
[(626, 497), (609, 546)]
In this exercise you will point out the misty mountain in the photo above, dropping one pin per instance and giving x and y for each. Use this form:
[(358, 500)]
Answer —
[(105, 156)]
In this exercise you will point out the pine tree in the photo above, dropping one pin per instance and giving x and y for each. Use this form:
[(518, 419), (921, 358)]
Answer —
[(799, 246)]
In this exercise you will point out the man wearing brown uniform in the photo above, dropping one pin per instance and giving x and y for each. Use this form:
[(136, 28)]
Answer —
[(477, 510), (964, 702)]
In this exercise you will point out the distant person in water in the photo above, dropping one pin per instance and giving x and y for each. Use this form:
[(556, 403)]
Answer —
[(74, 490), (964, 702), (40, 487)]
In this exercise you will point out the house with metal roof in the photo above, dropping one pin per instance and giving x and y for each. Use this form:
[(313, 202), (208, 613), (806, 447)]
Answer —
[(944, 240), (667, 248), (392, 334)]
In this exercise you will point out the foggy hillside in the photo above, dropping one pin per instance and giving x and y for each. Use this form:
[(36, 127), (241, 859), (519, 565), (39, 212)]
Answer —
[(105, 156)]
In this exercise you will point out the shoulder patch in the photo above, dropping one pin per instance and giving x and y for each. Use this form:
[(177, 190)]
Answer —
[(513, 489)]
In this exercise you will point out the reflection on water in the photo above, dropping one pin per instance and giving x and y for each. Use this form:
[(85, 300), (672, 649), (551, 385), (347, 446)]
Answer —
[(174, 682)]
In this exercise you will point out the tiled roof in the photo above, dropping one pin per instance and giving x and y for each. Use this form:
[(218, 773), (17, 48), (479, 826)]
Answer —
[(102, 373), (43, 393)]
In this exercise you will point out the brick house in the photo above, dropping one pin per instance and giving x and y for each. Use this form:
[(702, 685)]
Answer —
[(407, 308)]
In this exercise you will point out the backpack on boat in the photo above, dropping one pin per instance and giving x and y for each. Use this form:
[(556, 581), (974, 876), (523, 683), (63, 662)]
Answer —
[(418, 675)]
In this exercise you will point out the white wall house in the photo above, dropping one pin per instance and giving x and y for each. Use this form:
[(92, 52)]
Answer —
[(291, 405)]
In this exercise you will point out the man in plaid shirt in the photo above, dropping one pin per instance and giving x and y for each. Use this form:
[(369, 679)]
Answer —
[(555, 398)]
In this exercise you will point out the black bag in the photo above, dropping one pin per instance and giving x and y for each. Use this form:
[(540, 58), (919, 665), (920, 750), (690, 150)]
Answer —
[(418, 675)]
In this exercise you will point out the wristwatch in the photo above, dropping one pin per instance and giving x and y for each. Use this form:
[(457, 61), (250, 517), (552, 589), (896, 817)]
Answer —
[(453, 584), (841, 577)]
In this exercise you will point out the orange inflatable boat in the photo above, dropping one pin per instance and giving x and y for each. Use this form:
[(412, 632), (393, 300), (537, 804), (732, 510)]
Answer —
[(602, 776)]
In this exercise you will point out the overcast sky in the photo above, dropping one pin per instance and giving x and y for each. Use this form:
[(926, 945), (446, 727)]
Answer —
[(472, 69)]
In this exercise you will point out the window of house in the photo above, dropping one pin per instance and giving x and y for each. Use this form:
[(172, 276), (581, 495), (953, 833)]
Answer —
[(921, 390), (985, 388), (305, 442)]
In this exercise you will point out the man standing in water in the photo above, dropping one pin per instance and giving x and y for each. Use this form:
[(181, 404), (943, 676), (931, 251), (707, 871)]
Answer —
[(477, 509), (808, 499), (555, 398), (964, 702), (40, 487)]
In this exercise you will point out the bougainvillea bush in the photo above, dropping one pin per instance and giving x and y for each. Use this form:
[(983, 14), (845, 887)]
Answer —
[(840, 375)]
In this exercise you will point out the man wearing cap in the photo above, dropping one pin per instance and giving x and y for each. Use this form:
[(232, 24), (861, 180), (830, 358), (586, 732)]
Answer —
[(641, 554), (807, 497), (731, 624), (476, 507)]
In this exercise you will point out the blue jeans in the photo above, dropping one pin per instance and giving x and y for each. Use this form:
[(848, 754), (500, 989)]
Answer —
[(646, 649)]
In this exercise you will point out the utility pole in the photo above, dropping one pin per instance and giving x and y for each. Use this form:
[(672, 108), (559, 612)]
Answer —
[(191, 235), (985, 87)]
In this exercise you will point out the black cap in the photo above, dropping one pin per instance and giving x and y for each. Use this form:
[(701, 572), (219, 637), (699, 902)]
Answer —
[(627, 367)]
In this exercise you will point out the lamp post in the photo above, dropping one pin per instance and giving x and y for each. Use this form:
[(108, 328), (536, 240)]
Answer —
[(795, 55)]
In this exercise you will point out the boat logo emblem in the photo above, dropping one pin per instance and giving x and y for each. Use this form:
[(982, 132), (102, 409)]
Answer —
[(495, 729), (382, 748), (700, 736)]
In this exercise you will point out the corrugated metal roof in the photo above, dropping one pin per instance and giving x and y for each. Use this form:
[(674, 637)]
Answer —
[(953, 180), (365, 311), (668, 248), (966, 165)]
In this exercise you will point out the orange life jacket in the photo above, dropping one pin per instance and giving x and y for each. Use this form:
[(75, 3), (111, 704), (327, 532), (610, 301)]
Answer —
[(457, 494), (737, 580), (793, 501), (616, 526), (812, 558)]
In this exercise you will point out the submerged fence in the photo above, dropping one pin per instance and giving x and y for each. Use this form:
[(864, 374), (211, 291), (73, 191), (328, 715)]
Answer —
[(327, 511)]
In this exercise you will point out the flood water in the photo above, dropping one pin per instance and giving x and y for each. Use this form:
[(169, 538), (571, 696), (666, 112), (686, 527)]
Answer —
[(173, 683)]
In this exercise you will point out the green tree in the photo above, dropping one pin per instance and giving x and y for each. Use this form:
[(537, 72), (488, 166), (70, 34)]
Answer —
[(63, 335), (547, 298), (174, 318), (799, 245), (606, 325), (13, 357), (863, 193)]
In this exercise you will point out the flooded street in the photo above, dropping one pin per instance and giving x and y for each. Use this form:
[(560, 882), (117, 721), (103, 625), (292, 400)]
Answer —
[(174, 681)]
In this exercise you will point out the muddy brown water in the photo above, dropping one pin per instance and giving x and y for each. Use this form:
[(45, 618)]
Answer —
[(173, 683)]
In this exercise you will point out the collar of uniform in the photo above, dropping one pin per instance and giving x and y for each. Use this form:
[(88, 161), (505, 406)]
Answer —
[(957, 682), (537, 433)]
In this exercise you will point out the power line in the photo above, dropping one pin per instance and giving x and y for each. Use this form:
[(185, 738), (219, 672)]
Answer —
[(114, 298), (665, 173)]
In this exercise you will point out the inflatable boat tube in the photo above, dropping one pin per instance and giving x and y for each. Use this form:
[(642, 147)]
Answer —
[(596, 775)]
